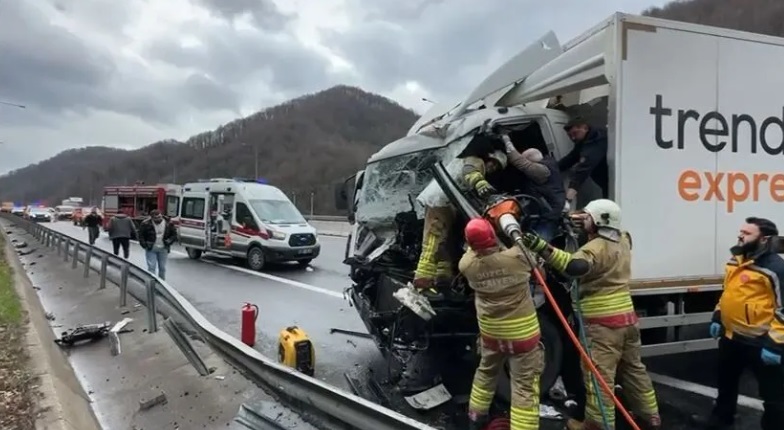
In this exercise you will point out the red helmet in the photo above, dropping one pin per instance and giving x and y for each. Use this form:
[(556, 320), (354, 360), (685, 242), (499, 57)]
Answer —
[(480, 234)]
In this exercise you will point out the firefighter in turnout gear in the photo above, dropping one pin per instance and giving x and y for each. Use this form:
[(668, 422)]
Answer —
[(435, 268), (749, 320), (603, 268), (508, 326)]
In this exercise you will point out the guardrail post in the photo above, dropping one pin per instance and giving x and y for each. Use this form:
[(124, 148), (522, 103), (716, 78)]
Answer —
[(104, 266), (48, 239), (185, 346), (75, 256), (57, 244), (67, 248), (124, 285), (152, 321), (87, 258)]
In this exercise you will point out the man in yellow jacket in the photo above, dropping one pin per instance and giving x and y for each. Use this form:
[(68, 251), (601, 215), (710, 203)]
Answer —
[(603, 267), (508, 326), (749, 319)]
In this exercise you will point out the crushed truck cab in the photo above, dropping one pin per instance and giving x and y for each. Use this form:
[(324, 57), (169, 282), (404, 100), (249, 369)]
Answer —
[(695, 144)]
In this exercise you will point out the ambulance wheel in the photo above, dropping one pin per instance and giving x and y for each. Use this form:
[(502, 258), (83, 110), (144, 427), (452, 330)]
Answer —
[(193, 253), (304, 263), (256, 258), (553, 356)]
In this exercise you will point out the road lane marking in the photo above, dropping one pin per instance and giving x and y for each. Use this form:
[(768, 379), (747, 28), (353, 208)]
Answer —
[(282, 280), (704, 390), (286, 281)]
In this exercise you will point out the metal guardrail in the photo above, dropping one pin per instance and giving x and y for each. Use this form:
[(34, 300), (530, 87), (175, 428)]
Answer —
[(159, 297), (330, 218)]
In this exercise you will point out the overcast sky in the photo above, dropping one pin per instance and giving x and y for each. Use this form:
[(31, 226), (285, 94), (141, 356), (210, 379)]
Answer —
[(128, 73)]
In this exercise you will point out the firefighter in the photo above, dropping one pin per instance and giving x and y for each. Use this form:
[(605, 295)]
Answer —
[(749, 319), (603, 267), (508, 326), (435, 267)]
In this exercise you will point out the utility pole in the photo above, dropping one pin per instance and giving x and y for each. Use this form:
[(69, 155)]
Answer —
[(256, 158), (13, 105)]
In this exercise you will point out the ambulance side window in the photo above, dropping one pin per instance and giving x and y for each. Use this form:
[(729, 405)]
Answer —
[(172, 205), (244, 217), (192, 208)]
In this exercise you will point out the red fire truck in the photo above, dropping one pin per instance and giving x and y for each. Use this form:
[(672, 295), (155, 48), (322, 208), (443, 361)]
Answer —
[(138, 200)]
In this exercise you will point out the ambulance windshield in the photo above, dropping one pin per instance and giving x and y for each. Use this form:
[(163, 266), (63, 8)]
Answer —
[(277, 211)]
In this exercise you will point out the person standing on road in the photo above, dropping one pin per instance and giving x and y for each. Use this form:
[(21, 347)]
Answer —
[(156, 236), (603, 266), (749, 320), (121, 230), (92, 222), (508, 326)]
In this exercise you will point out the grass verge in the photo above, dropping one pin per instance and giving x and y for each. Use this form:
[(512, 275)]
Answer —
[(17, 385)]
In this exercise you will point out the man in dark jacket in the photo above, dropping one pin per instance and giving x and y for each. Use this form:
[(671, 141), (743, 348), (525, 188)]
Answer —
[(92, 222), (749, 320), (588, 157), (156, 236), (121, 230)]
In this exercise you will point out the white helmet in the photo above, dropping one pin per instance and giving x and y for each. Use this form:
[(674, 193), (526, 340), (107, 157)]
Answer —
[(500, 157), (605, 213)]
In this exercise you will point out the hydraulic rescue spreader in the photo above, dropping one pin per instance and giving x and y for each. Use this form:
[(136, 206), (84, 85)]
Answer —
[(505, 213)]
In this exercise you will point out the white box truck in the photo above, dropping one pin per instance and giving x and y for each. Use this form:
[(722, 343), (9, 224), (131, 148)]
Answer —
[(696, 144)]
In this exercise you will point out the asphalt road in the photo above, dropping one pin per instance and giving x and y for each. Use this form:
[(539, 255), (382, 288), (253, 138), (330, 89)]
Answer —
[(312, 299)]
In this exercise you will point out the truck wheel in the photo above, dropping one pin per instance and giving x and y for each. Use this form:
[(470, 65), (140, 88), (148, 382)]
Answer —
[(256, 260), (553, 356), (193, 254)]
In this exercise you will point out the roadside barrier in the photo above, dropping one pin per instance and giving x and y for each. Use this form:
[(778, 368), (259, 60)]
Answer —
[(307, 394)]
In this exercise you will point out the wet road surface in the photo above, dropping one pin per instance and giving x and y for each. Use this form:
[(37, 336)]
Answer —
[(312, 298)]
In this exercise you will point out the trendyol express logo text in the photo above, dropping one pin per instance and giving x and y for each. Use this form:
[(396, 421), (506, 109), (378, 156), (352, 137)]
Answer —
[(729, 187)]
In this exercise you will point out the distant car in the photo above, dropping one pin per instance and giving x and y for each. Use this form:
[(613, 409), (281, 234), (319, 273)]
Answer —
[(39, 215), (18, 210)]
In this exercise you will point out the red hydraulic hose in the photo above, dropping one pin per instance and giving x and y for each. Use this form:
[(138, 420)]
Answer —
[(586, 359)]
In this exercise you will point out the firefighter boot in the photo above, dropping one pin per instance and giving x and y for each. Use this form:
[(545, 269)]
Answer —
[(652, 423), (477, 422), (573, 424)]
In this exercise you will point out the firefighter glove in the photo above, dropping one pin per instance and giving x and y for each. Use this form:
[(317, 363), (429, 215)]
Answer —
[(770, 358), (483, 188), (715, 330), (534, 242)]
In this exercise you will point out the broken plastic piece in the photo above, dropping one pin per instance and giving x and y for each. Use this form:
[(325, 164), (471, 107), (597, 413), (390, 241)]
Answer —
[(416, 302), (155, 401), (429, 399)]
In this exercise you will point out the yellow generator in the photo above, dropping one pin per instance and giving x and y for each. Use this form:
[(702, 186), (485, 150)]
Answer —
[(295, 350)]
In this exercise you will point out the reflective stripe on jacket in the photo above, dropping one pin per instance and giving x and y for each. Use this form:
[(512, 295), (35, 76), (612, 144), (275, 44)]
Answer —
[(605, 297), (750, 308), (504, 308)]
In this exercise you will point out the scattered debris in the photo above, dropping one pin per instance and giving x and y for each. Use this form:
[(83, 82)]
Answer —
[(154, 401), (308, 269), (549, 412), (88, 332), (429, 399), (349, 332), (114, 340), (50, 316), (20, 245), (409, 297), (28, 252), (220, 377)]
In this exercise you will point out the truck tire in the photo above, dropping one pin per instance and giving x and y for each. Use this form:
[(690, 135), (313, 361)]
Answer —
[(256, 260), (193, 253), (553, 356)]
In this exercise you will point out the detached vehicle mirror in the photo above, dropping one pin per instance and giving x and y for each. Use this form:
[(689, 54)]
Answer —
[(341, 196)]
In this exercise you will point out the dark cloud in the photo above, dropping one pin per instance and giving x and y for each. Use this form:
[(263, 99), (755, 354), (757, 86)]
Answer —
[(264, 12), (231, 58), (45, 65)]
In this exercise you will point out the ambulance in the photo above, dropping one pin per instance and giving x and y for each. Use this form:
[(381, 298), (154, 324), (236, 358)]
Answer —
[(245, 219)]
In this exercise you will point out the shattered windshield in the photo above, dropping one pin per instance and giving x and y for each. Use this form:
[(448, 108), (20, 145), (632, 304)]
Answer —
[(392, 185)]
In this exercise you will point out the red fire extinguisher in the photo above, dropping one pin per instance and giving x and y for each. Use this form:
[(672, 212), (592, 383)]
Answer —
[(248, 329)]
